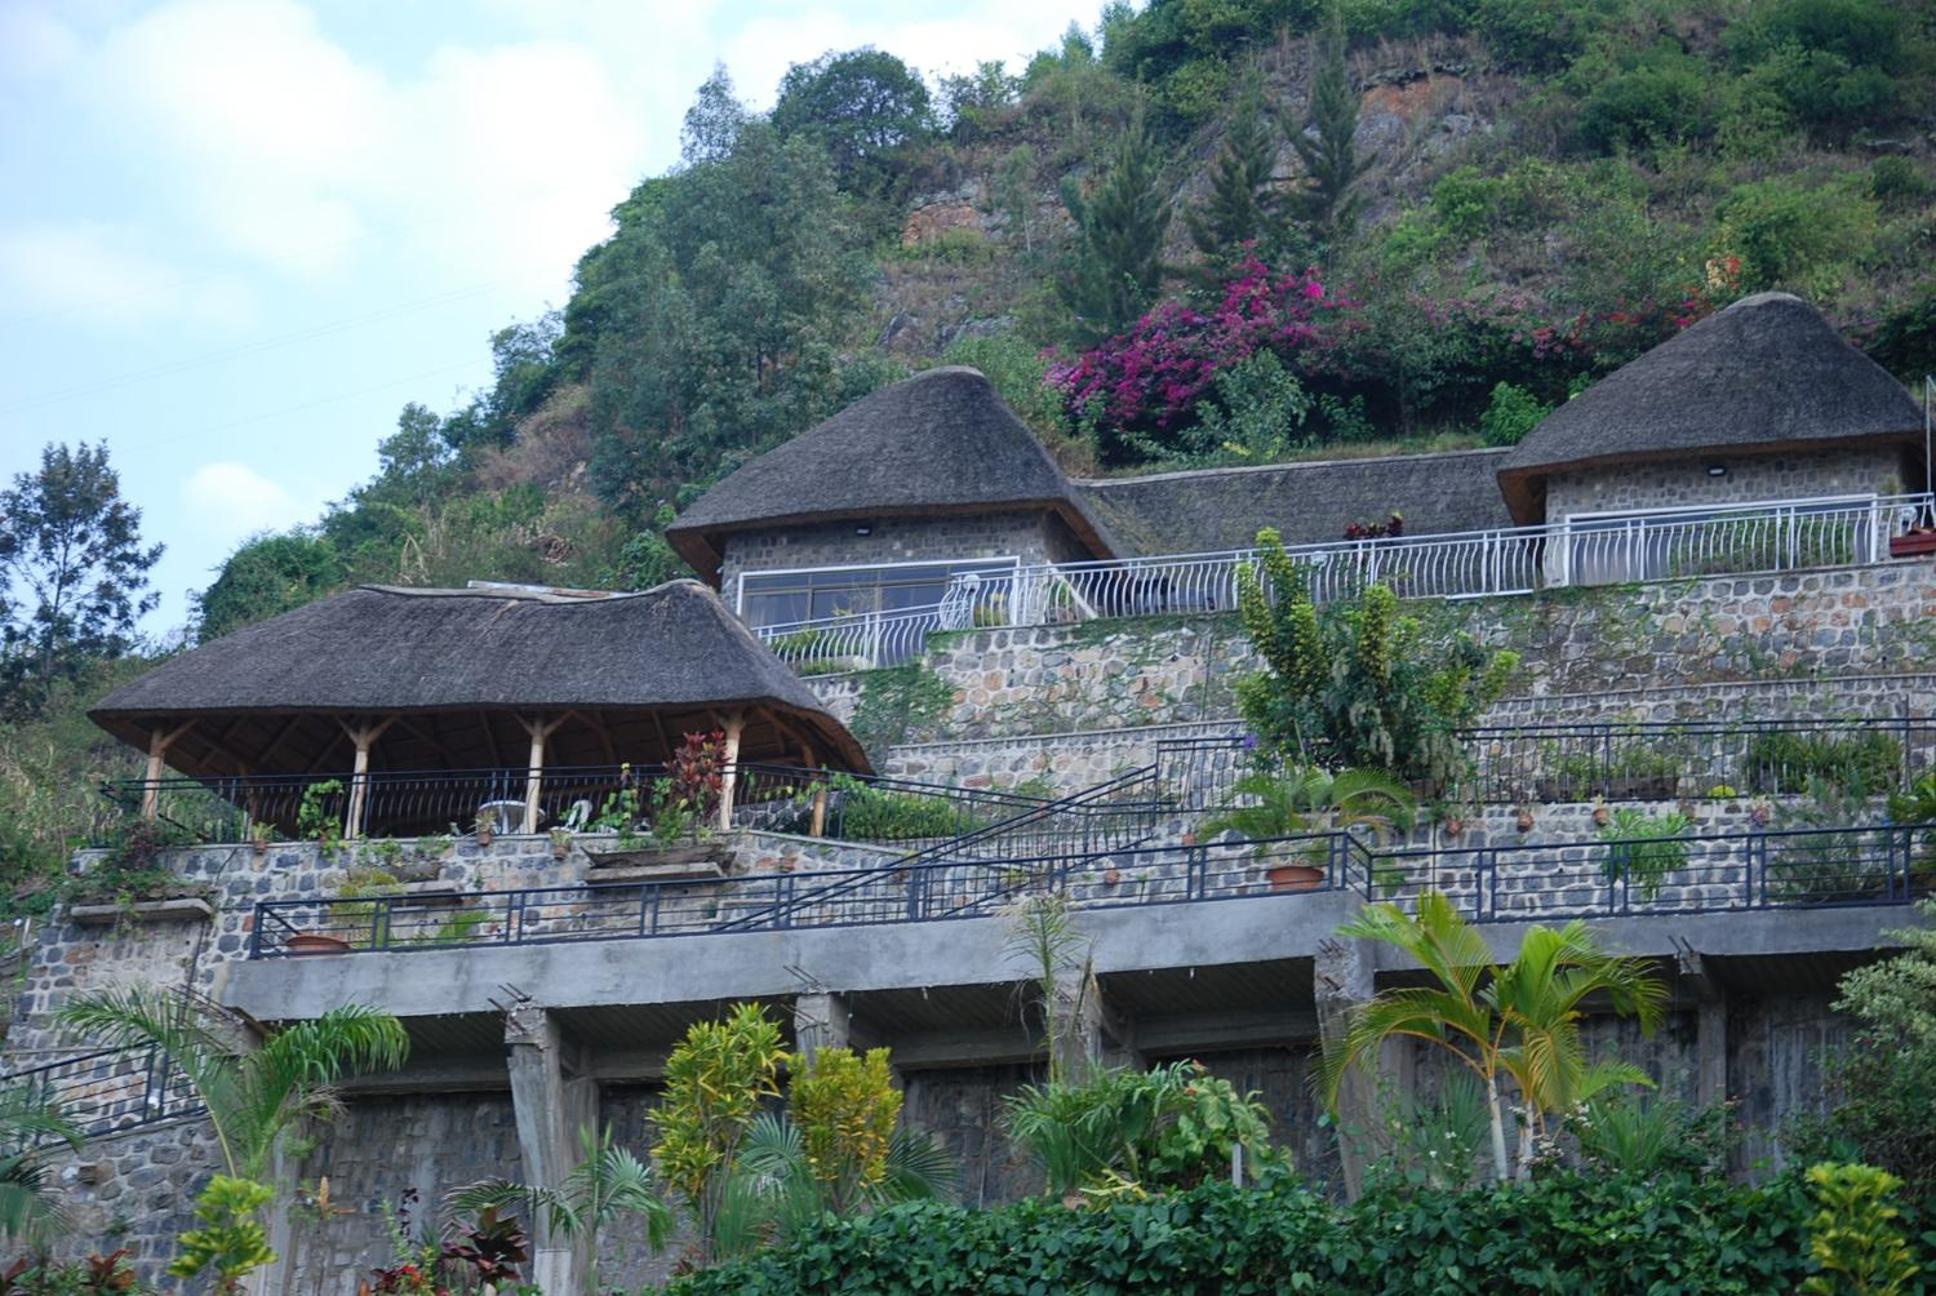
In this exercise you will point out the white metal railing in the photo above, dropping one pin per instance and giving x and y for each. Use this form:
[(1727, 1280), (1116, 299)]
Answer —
[(1600, 550)]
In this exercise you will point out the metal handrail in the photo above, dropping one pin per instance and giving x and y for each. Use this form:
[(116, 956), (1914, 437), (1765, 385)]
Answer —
[(108, 1090), (1885, 864), (1721, 539)]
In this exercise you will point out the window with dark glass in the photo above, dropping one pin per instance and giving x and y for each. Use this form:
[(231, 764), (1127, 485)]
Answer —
[(769, 598)]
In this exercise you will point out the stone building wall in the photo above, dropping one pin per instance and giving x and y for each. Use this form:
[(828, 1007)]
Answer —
[(1033, 536), (1749, 478), (1842, 624)]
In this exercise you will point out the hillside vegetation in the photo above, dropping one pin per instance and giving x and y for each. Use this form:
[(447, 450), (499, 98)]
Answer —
[(1206, 231)]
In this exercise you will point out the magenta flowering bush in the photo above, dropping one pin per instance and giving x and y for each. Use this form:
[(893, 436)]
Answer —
[(1152, 377)]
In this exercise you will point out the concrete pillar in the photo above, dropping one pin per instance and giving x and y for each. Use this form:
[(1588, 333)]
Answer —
[(1710, 1029), (821, 1021), (1075, 1025), (1342, 976), (553, 1101)]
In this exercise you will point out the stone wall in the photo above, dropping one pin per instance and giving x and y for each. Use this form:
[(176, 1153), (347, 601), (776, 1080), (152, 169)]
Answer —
[(1841, 624), (1748, 479), (1033, 536)]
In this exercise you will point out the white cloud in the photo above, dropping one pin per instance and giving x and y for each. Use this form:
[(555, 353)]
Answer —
[(229, 501), (99, 273), (499, 162)]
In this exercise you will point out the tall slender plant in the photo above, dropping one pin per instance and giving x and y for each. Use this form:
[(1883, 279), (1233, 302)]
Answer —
[(1043, 936), (1117, 268), (608, 1183), (1517, 1023), (30, 1210), (1326, 141), (252, 1094)]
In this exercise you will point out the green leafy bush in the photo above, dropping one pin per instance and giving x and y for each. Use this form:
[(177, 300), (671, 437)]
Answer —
[(1512, 413), (1662, 100), (1866, 765), (1590, 1234), (1643, 849)]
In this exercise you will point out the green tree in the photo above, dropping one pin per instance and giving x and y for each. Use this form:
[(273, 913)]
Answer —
[(73, 573), (715, 1082), (1519, 1023), (1352, 684), (1116, 268), (30, 1210), (266, 577), (608, 1183), (1882, 1084), (838, 1150), (1326, 141), (252, 1094), (232, 1241), (1244, 206), (713, 123), (859, 106)]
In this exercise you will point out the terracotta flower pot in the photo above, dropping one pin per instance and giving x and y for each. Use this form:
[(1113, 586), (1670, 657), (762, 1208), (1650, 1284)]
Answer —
[(304, 944), (1111, 877), (484, 836), (1525, 821), (1600, 816), (1294, 877), (1454, 827)]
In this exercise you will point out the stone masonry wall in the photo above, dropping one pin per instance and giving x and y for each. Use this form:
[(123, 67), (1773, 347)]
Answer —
[(1749, 478), (1033, 536), (1834, 623)]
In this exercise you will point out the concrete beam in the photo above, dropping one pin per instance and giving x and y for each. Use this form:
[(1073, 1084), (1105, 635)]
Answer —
[(553, 1101), (765, 965), (1167, 1036)]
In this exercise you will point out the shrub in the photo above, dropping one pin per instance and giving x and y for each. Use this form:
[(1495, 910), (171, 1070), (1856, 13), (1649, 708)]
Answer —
[(1595, 1234), (1351, 684), (1866, 765), (1854, 1237), (1786, 234), (1643, 848), (1512, 413), (1663, 100)]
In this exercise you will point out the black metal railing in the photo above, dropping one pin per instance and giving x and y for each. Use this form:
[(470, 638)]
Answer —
[(392, 803), (108, 1090), (1884, 864), (1620, 760), (1715, 873), (860, 807), (867, 807)]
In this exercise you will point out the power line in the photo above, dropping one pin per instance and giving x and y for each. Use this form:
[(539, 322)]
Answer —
[(247, 349), (306, 405)]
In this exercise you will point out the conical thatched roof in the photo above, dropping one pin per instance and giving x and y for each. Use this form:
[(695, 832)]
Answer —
[(941, 442), (1767, 374), (458, 667)]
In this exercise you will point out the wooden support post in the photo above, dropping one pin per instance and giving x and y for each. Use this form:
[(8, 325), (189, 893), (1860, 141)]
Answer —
[(735, 723), (817, 826), (159, 741), (363, 737), (539, 729)]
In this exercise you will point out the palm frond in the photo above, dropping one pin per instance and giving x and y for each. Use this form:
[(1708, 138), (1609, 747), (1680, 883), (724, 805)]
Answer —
[(919, 1167)]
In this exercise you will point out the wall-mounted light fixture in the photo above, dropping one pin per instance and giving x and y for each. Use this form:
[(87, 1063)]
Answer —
[(865, 528), (1717, 470)]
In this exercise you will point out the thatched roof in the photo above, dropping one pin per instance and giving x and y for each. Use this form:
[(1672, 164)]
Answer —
[(1224, 508), (459, 667), (1767, 374), (941, 442)]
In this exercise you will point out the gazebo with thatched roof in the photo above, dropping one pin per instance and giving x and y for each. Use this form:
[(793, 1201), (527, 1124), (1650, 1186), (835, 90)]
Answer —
[(477, 692), (1763, 400)]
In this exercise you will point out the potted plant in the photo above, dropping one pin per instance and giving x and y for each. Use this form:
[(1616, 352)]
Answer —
[(1914, 542), (560, 843), (485, 829), (1523, 820), (1644, 848), (134, 881), (260, 835), (678, 837), (1600, 812), (1303, 800)]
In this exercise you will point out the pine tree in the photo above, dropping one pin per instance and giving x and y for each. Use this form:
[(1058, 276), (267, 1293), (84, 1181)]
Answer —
[(1244, 205), (1117, 267), (1326, 142)]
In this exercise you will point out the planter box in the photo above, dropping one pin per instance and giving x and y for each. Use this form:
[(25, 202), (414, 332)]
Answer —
[(1913, 545), (653, 864), (179, 909)]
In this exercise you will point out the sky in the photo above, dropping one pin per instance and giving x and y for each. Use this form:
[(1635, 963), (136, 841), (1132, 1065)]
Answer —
[(236, 236)]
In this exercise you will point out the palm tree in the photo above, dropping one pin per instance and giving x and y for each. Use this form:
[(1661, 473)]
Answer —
[(608, 1182), (1521, 1020), (1305, 798), (30, 1212), (252, 1094), (773, 1191)]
